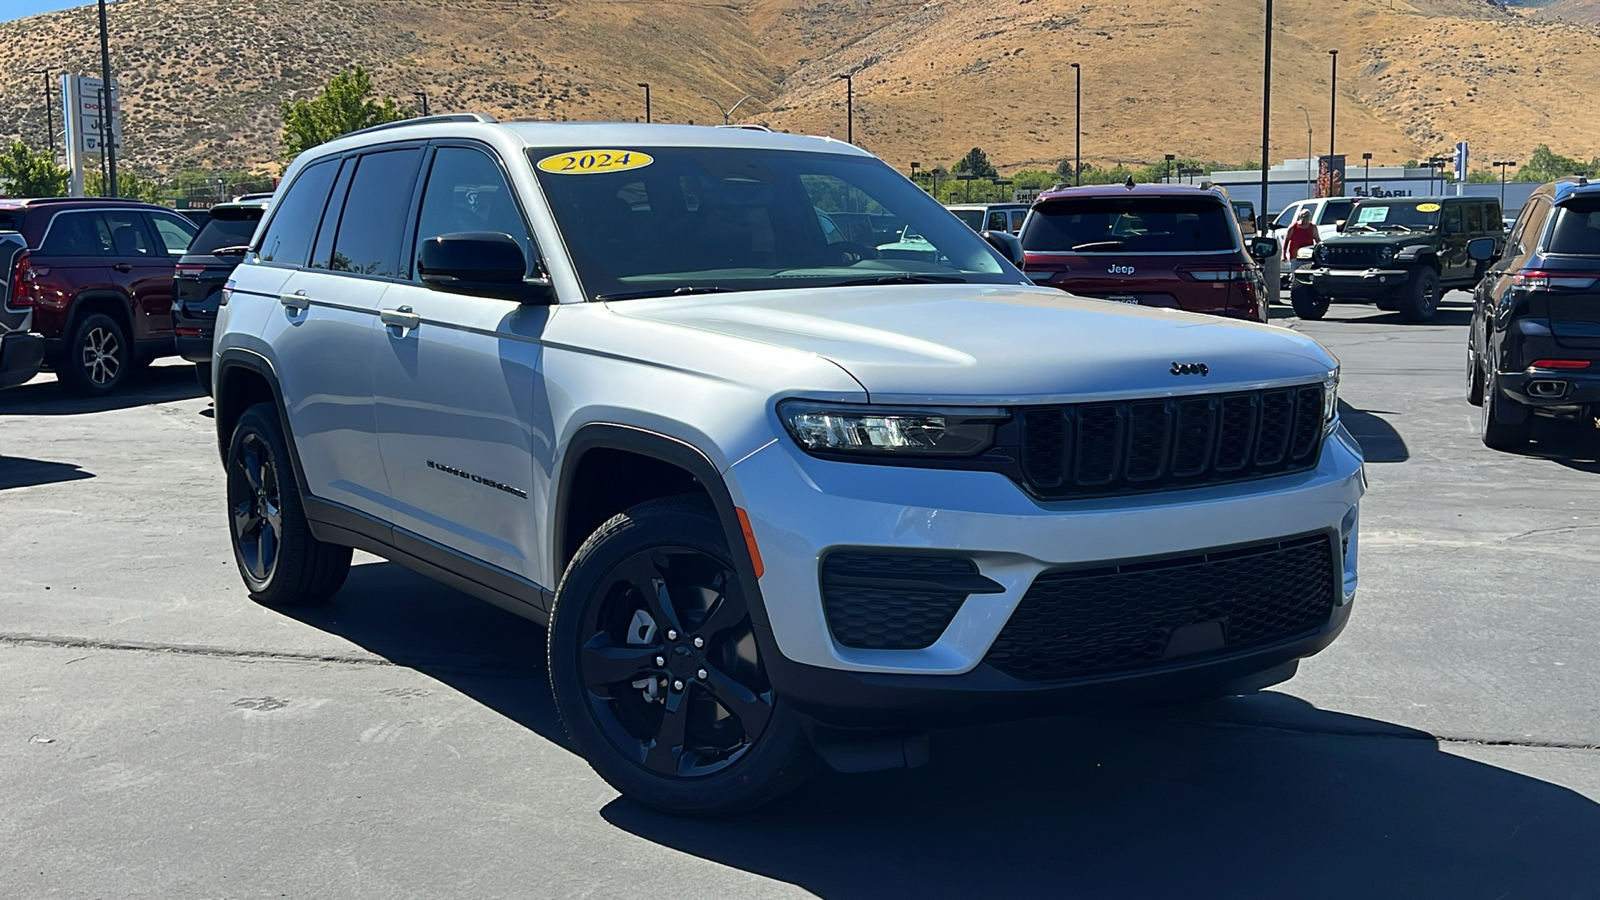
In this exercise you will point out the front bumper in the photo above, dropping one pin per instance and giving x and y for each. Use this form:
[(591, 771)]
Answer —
[(1351, 283), (21, 356), (801, 508)]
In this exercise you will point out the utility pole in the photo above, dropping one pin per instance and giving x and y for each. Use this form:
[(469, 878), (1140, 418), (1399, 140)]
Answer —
[(646, 86), (1503, 163), (1077, 126), (49, 116), (1166, 172), (107, 132), (423, 97), (849, 108), (1333, 98), (1266, 109)]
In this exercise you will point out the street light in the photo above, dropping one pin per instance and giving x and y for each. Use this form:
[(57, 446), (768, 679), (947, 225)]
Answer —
[(1333, 96), (727, 114), (1436, 164), (1167, 170), (849, 108), (914, 167), (1302, 108), (1077, 126), (49, 118), (107, 131), (967, 177), (1366, 179), (422, 96), (646, 86), (1503, 163), (1266, 108)]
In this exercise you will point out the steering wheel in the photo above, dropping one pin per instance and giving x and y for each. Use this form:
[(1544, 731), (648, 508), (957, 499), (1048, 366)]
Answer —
[(851, 252)]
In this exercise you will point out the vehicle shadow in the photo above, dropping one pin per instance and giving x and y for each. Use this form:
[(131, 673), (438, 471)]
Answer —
[(1380, 442), (1165, 806), (17, 471), (1260, 796), (1573, 444), (47, 397)]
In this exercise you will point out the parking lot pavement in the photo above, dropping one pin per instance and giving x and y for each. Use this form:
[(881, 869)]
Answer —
[(162, 736)]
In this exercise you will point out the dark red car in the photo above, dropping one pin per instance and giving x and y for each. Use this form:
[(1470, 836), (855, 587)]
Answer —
[(98, 276), (1165, 245)]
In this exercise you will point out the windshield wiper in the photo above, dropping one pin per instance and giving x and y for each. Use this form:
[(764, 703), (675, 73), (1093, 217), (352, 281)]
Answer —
[(1104, 245), (1364, 226), (902, 278), (663, 292)]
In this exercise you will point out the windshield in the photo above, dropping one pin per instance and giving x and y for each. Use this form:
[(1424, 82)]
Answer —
[(1409, 216), (1130, 225), (226, 232), (656, 221), (972, 217), (1576, 231)]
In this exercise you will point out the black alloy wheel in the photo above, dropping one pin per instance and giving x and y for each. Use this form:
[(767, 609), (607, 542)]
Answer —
[(1474, 378), (1307, 303), (656, 669), (97, 358), (1422, 299), (281, 562)]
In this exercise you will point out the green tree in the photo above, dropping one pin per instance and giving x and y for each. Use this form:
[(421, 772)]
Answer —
[(1035, 179), (346, 104), (1545, 164), (976, 162), (129, 187), (1482, 176), (24, 173)]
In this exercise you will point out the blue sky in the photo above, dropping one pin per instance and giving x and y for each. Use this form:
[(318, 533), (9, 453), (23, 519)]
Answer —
[(16, 9)]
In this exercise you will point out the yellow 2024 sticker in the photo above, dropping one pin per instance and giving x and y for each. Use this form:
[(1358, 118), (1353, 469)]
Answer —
[(1427, 207), (593, 162)]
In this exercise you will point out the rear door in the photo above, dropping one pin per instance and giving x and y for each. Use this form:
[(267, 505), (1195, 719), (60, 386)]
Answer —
[(141, 268)]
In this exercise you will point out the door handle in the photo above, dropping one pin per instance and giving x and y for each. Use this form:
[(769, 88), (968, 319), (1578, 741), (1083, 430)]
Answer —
[(400, 318), (296, 300), (122, 267)]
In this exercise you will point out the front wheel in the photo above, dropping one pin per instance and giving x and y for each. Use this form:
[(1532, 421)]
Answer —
[(1308, 304), (281, 563), (1419, 302), (656, 670)]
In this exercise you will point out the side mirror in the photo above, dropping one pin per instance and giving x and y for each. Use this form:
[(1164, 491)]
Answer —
[(1009, 245), (1262, 248), (486, 263), (1481, 249), (1339, 226)]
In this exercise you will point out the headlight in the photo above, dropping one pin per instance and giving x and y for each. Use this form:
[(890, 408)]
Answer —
[(1305, 253), (1386, 253), (1330, 396), (889, 431)]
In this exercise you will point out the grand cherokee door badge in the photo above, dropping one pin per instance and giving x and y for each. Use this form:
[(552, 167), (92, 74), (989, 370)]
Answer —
[(448, 470)]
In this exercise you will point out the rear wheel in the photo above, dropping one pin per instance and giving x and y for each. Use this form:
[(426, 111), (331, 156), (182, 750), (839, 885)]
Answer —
[(202, 374), (97, 358), (1506, 424), (1308, 304), (1474, 379), (1421, 299), (656, 670), (280, 561)]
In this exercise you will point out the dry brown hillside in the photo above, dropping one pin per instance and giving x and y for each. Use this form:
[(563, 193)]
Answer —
[(1585, 12), (203, 78)]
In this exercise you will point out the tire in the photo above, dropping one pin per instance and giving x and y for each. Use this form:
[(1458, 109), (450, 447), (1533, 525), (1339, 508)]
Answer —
[(1308, 304), (97, 359), (1421, 298), (1505, 424), (1387, 304), (659, 567), (202, 374), (1474, 379), (281, 563)]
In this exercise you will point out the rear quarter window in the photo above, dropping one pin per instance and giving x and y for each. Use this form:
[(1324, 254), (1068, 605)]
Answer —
[(1576, 231)]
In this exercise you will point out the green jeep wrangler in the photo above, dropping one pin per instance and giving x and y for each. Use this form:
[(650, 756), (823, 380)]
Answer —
[(1401, 253)]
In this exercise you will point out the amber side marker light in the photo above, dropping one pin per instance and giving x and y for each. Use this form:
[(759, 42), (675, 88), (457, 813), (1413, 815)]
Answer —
[(750, 541)]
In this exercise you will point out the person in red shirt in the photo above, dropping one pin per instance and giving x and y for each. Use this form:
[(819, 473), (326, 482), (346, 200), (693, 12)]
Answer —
[(1301, 234)]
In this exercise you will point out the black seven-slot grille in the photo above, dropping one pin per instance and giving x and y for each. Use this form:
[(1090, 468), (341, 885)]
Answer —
[(1134, 446), (1353, 256), (892, 601), (1105, 620)]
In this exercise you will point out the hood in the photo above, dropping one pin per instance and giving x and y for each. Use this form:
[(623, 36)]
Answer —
[(1000, 344), (1392, 239)]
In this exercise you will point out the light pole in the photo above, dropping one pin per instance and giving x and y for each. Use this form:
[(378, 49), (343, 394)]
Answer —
[(1503, 163), (1266, 108), (1436, 164), (1077, 126), (423, 97), (646, 86), (107, 132), (1302, 108), (849, 108), (49, 117), (1366, 179), (914, 167), (1333, 96), (1167, 170), (967, 177), (727, 114)]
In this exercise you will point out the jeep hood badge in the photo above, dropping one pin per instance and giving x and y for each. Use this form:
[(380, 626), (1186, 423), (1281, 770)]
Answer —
[(1200, 369)]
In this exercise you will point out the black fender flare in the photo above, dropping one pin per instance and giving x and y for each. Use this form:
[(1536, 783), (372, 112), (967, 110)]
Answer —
[(235, 358), (668, 449)]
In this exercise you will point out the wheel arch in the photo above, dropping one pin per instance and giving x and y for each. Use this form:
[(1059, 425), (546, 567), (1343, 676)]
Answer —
[(244, 378), (110, 303), (592, 486)]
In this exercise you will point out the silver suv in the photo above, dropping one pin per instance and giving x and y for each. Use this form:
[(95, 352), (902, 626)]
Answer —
[(780, 495)]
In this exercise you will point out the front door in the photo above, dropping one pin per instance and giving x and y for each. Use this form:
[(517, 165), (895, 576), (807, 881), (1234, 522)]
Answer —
[(1454, 262), (464, 423)]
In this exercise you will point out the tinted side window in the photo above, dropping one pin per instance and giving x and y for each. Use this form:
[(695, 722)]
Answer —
[(373, 222), (77, 234), (1286, 217), (175, 234), (1492, 215), (997, 221), (128, 237), (1528, 227), (1334, 210), (1017, 215), (466, 191), (1452, 219), (294, 224), (1474, 213)]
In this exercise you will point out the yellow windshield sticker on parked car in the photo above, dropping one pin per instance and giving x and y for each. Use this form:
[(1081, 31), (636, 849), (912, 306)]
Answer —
[(593, 162), (1427, 207)]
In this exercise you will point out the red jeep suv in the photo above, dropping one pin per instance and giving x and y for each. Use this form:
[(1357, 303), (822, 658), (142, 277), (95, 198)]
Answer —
[(98, 275), (1164, 245)]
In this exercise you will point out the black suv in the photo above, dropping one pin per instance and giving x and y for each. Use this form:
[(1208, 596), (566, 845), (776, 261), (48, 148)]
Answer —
[(1535, 336), (1401, 253), (201, 273)]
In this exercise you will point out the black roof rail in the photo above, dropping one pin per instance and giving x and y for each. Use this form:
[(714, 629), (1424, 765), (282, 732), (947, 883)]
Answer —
[(426, 120)]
